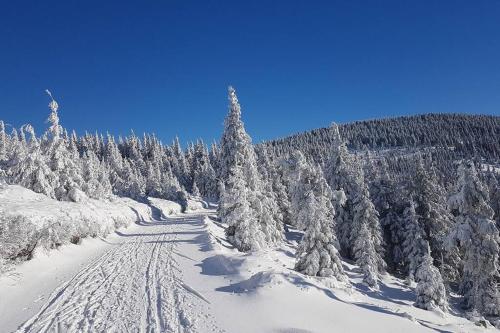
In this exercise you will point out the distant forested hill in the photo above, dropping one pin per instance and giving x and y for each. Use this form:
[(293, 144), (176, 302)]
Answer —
[(469, 136)]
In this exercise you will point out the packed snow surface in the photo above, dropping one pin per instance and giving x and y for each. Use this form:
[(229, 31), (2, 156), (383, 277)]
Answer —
[(177, 273)]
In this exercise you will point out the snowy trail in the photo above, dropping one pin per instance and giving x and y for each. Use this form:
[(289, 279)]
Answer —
[(135, 286)]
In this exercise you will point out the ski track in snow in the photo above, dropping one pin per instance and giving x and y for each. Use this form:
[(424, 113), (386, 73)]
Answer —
[(135, 286)]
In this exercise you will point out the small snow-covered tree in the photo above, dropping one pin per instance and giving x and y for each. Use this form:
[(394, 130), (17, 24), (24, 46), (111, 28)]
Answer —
[(430, 290), (478, 236)]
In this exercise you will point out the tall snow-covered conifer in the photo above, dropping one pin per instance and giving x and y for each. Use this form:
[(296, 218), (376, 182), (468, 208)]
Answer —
[(237, 154), (358, 226)]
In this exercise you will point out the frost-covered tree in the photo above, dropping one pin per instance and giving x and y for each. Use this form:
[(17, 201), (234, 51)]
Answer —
[(317, 254), (430, 290), (433, 215), (243, 228), (275, 184), (341, 172), (96, 179), (31, 170), (478, 236), (237, 153), (55, 128), (415, 247), (358, 227), (3, 144), (494, 193), (65, 164), (180, 166), (366, 237)]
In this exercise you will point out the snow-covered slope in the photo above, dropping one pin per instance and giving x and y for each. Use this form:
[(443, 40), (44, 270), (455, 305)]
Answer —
[(264, 288), (178, 273)]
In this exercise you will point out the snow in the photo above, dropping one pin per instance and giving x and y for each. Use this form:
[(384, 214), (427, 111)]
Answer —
[(179, 273)]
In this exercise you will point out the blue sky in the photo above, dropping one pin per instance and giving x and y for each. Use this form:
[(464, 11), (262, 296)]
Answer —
[(164, 66)]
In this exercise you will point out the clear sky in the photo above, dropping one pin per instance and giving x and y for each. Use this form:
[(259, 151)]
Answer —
[(164, 66)]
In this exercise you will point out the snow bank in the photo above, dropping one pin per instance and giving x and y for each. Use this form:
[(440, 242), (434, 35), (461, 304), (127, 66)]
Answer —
[(194, 204), (166, 207), (30, 222)]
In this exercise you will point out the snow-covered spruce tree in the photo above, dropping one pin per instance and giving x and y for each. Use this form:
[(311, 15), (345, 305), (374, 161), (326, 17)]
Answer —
[(31, 169), (341, 174), (366, 237), (433, 215), (96, 179), (114, 160), (317, 254), (237, 153), (494, 192), (430, 290), (243, 228), (180, 166), (203, 174), (358, 227), (3, 145), (64, 163), (478, 236), (387, 196), (415, 246), (270, 178)]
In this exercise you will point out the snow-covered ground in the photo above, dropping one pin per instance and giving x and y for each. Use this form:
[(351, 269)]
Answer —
[(178, 274)]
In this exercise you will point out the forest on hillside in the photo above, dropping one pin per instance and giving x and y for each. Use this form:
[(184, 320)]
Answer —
[(417, 197)]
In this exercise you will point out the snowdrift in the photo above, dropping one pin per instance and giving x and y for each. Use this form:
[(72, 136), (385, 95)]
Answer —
[(284, 300)]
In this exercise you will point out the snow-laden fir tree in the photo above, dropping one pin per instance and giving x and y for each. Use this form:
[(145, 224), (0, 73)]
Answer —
[(387, 196), (180, 166), (494, 193), (3, 144), (317, 254), (358, 227), (341, 176), (430, 291), (478, 236), (31, 169), (273, 190), (55, 128), (415, 246), (366, 239), (243, 228), (433, 216), (65, 164), (237, 153), (95, 175)]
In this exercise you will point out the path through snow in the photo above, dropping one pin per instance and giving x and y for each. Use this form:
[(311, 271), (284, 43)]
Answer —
[(136, 285), (180, 275)]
